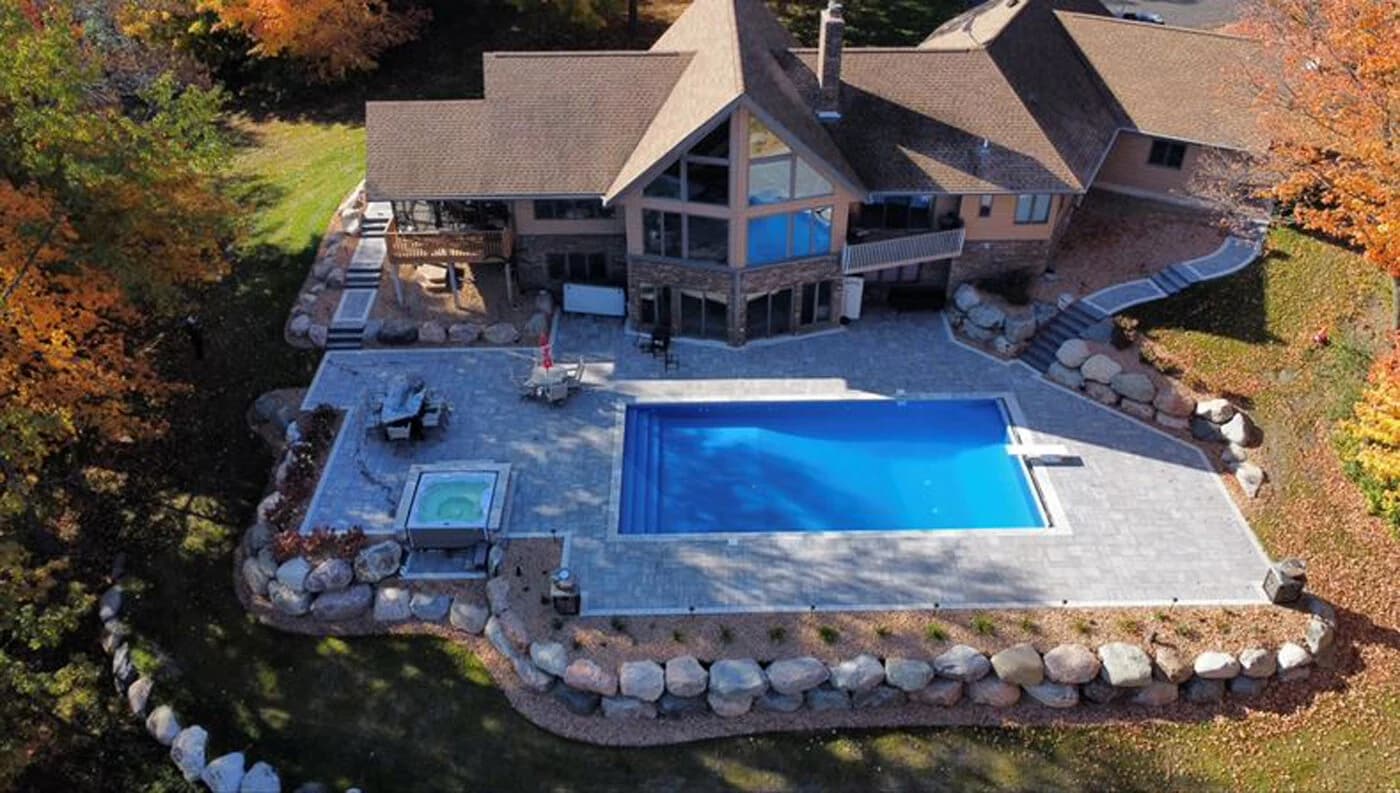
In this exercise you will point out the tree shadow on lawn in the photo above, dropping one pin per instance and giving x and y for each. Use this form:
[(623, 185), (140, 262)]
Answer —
[(1233, 307)]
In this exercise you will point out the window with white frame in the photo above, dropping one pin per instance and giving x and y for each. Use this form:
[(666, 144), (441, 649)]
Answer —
[(984, 206), (1033, 208)]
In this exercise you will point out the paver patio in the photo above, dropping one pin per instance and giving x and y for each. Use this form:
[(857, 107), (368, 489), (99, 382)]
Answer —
[(1146, 519)]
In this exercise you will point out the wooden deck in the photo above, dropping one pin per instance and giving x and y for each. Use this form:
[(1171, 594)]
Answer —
[(450, 247)]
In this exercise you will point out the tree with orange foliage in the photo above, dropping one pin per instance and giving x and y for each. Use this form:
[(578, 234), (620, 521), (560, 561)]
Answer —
[(1330, 108), (332, 37)]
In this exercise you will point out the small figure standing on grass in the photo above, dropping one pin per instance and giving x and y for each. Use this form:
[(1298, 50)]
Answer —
[(196, 336)]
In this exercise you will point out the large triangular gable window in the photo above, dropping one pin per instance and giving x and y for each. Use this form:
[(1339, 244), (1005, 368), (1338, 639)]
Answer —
[(701, 175), (776, 174)]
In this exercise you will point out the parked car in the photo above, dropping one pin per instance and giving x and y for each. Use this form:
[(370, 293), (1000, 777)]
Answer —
[(1144, 16)]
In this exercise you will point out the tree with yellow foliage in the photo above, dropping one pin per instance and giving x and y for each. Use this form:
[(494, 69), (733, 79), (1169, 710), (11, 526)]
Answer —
[(1371, 439)]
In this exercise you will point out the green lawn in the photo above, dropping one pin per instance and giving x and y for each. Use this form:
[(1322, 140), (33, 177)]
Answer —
[(421, 714)]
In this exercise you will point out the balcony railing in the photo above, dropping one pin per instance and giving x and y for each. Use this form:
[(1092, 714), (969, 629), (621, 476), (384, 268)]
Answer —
[(448, 247), (865, 257)]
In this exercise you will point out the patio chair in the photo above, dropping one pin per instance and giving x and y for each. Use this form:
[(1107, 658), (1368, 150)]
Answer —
[(398, 432)]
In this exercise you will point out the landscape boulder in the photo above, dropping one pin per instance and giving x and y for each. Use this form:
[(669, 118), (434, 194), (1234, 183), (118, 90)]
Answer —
[(531, 677), (429, 607), (255, 577), (1174, 401), (1216, 411), (741, 677), (293, 573), (287, 600), (943, 693), (993, 692), (513, 628), (878, 697), (825, 698), (1257, 662), (644, 680), (1100, 368), (300, 324), (1292, 656), (463, 332), (1172, 665), (550, 656), (163, 725), (579, 703), (432, 332), (1020, 665), (1054, 695), (498, 594), (138, 695), (224, 774), (468, 616), (261, 778), (963, 663), (861, 673), (1100, 691), (1246, 687), (1156, 694), (1125, 665), (1251, 478), (587, 675), (685, 677), (110, 604), (1215, 665), (392, 604), (1241, 430), (332, 575), (966, 297), (1073, 353), (671, 706), (1138, 410), (1204, 691), (797, 675), (1019, 327), (1135, 386), (397, 332), (1100, 393), (1318, 635), (318, 334), (1065, 376), (187, 752), (729, 707), (501, 333), (907, 674), (627, 708), (1071, 664), (1206, 430), (773, 702), (985, 315)]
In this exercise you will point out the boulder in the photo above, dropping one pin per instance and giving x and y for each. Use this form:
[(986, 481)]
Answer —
[(1100, 393), (463, 332), (498, 594), (322, 268), (336, 278), (258, 538), (671, 706), (1247, 687), (1100, 691), (550, 656), (686, 678), (1054, 695), (501, 333), (1156, 694), (429, 607), (344, 604), (293, 573), (1206, 430), (943, 693), (1073, 353), (586, 675), (138, 695), (1204, 691), (255, 577), (376, 562), (1233, 455), (1173, 422), (332, 575), (432, 332), (1172, 666), (1175, 402), (1071, 664), (963, 663), (824, 698), (513, 628), (300, 325), (123, 669), (1216, 411), (1043, 312), (318, 334), (773, 702), (162, 725), (1138, 410), (537, 325), (110, 604), (729, 707), (1242, 430), (1125, 665), (1292, 656), (261, 778), (644, 680), (1135, 386), (531, 677), (1019, 327), (977, 332), (114, 634), (392, 604), (861, 673), (627, 708), (1216, 666), (468, 616), (272, 500), (1064, 300), (1019, 664), (1318, 634), (579, 703), (879, 697), (1003, 346), (187, 752), (795, 676), (966, 296), (1100, 368), (985, 315), (397, 331), (737, 678), (1065, 376), (1257, 662), (993, 692), (1251, 477), (905, 674), (224, 774), (287, 600)]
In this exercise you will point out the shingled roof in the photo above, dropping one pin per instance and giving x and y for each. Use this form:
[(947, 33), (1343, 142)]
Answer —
[(1173, 82)]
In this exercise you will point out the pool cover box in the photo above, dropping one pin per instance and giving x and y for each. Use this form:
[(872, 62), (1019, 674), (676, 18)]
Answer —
[(452, 505), (854, 465)]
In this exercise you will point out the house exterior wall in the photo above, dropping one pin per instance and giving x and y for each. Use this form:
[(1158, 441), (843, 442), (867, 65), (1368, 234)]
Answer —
[(523, 213), (1126, 169), (1002, 225), (532, 250)]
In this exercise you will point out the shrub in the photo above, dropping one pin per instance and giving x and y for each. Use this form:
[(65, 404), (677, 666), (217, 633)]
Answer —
[(1030, 626), (322, 543), (678, 637), (1130, 625), (1083, 627), (1369, 442), (1014, 287), (777, 635), (829, 634), (984, 625), (936, 633), (883, 632), (725, 634)]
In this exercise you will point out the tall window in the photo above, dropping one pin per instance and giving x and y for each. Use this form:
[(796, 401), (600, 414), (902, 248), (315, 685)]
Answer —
[(816, 303), (984, 206), (1033, 208), (571, 209), (581, 268), (898, 212), (701, 175), (791, 235), (775, 173), (768, 314), (1167, 153), (679, 236)]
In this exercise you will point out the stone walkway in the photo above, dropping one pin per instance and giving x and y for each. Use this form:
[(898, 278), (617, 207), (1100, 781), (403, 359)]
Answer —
[(1232, 256), (1144, 519)]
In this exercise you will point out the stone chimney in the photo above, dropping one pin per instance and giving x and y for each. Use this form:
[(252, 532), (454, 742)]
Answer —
[(833, 34)]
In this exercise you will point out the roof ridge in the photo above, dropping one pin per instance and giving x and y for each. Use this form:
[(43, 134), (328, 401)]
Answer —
[(1173, 28)]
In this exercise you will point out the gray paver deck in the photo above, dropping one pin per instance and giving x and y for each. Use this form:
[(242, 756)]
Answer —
[(1147, 519)]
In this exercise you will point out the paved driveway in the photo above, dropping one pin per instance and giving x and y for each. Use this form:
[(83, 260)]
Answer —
[(1203, 14)]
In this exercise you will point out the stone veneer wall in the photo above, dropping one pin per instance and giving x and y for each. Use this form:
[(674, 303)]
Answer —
[(736, 284), (531, 250), (997, 257)]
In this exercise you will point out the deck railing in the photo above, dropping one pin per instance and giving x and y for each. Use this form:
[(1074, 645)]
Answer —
[(446, 247), (866, 257)]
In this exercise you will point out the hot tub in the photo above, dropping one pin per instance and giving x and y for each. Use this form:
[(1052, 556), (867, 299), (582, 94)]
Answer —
[(453, 505)]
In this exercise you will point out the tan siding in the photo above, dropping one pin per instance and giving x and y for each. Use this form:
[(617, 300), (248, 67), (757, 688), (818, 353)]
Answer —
[(1127, 166), (526, 223), (1002, 225)]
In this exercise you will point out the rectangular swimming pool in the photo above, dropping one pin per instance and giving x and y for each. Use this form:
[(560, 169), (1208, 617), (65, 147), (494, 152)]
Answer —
[(861, 465)]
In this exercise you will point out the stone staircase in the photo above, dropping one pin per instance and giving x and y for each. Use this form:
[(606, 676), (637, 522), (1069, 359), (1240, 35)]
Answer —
[(1068, 324), (1176, 278), (375, 222)]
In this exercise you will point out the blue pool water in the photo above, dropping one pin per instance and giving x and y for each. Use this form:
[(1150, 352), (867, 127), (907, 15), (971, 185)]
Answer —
[(821, 466)]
